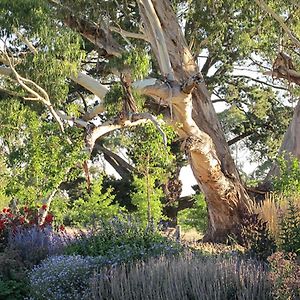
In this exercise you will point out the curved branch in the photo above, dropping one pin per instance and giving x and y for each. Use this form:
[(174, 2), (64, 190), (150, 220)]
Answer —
[(280, 20), (129, 34), (238, 138), (90, 84), (259, 81)]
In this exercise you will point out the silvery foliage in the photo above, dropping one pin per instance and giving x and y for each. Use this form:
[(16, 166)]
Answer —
[(62, 277)]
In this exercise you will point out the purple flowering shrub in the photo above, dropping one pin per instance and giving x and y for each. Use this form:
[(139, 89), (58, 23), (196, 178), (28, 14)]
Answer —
[(36, 243), (62, 277)]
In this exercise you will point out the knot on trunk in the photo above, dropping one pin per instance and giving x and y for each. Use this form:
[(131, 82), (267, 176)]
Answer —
[(191, 143), (191, 83)]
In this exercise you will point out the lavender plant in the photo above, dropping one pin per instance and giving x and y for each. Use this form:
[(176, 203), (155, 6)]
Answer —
[(36, 243), (182, 278)]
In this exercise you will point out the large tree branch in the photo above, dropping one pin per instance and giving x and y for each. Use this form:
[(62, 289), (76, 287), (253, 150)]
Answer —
[(129, 34), (280, 20), (119, 164), (135, 119), (239, 137), (156, 37), (260, 81), (90, 84), (281, 72), (97, 34)]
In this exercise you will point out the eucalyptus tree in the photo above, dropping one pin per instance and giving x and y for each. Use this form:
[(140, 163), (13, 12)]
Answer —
[(148, 47)]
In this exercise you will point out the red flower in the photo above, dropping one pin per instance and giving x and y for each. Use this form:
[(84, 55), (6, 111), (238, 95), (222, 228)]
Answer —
[(44, 207), (49, 219), (10, 215), (25, 209), (4, 210), (21, 220), (62, 228)]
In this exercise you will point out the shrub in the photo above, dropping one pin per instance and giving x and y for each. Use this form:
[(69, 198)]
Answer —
[(11, 221), (94, 205), (195, 217), (184, 277), (285, 274), (254, 235), (13, 281), (290, 228), (62, 277), (36, 243), (122, 240)]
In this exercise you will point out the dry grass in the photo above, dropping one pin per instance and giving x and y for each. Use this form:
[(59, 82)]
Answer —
[(183, 278), (273, 209)]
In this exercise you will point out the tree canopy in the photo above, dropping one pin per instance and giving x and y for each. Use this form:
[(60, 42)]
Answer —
[(77, 86)]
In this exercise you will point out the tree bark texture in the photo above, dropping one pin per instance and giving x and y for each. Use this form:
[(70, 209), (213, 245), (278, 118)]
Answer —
[(196, 122)]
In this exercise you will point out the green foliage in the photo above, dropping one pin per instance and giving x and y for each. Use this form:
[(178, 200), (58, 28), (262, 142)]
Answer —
[(136, 61), (153, 163), (39, 157), (94, 205), (113, 100), (144, 187), (13, 281), (195, 217), (4, 178), (288, 182), (122, 240), (290, 228)]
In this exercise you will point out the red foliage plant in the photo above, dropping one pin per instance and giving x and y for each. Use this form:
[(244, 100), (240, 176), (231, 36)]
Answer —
[(25, 217)]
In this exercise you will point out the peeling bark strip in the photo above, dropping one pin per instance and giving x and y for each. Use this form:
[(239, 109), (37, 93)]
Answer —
[(196, 122)]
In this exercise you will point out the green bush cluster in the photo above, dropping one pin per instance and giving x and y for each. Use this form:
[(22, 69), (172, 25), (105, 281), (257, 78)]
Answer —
[(13, 280), (290, 228), (195, 217), (122, 240)]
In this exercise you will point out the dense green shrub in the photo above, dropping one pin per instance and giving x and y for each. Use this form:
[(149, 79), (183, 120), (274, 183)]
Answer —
[(290, 228), (288, 182), (62, 277), (122, 240), (183, 278), (94, 205), (195, 217), (13, 280)]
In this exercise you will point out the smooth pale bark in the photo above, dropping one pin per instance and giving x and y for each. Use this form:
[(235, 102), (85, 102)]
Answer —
[(197, 124), (291, 142)]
